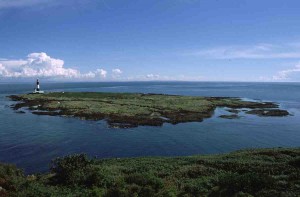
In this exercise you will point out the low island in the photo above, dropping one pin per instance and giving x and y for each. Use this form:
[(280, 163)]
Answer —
[(134, 109)]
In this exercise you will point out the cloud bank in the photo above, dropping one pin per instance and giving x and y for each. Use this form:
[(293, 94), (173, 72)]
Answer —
[(43, 66)]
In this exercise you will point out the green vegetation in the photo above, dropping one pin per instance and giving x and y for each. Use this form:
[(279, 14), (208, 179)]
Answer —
[(133, 109), (260, 172)]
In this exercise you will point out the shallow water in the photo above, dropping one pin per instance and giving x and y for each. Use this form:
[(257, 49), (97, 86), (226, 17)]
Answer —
[(31, 141)]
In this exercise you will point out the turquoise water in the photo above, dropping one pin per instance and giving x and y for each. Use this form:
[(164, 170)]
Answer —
[(31, 141)]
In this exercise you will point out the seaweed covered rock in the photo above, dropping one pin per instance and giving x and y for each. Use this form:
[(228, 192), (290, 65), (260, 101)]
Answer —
[(269, 112)]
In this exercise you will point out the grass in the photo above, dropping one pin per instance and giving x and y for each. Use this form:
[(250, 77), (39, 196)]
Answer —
[(258, 172)]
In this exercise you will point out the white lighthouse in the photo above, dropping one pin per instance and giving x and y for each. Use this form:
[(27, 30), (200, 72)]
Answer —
[(37, 89)]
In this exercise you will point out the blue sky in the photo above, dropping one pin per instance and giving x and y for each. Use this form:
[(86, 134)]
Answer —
[(120, 40)]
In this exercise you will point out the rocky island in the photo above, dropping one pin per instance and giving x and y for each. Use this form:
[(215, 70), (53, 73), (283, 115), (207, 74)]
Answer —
[(134, 109)]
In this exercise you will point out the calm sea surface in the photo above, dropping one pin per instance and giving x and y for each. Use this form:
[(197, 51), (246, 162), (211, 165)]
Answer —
[(31, 141)]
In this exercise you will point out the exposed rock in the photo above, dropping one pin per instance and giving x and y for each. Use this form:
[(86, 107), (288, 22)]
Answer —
[(49, 113), (232, 116), (269, 112), (20, 112), (235, 111)]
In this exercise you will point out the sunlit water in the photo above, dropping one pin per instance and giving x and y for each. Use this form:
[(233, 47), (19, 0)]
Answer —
[(31, 141)]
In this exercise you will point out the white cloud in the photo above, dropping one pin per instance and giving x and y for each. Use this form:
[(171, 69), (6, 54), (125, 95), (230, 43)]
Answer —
[(42, 65), (3, 70), (259, 51), (152, 76), (101, 73), (285, 74), (116, 73)]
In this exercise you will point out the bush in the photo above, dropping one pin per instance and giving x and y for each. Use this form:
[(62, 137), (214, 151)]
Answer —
[(71, 170), (295, 162), (115, 192), (196, 187), (233, 183), (10, 178), (144, 180), (100, 178)]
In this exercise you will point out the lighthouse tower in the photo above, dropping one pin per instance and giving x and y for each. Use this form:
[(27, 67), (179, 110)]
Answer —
[(37, 85), (37, 89)]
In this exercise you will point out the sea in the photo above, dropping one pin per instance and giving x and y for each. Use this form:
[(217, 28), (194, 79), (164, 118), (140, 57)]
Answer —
[(31, 141)]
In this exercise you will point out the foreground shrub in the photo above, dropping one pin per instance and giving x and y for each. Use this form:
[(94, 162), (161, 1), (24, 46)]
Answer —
[(71, 170), (233, 183), (295, 162)]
